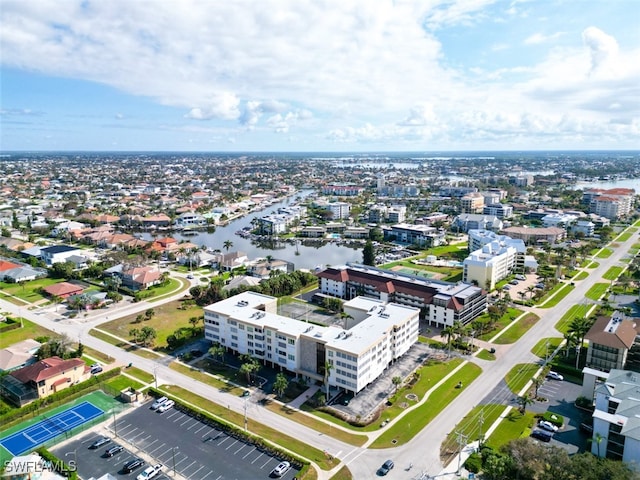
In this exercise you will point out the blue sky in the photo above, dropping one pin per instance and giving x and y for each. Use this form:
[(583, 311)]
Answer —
[(319, 75)]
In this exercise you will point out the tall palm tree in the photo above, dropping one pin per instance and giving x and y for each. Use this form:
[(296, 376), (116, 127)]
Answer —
[(327, 372), (227, 245)]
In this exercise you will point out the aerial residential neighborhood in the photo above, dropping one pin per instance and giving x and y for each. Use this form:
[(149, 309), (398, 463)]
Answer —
[(437, 291)]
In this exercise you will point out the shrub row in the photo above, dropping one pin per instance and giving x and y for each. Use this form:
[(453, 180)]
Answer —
[(57, 464), (9, 324)]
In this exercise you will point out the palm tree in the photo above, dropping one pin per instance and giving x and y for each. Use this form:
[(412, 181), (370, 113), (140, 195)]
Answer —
[(217, 351), (530, 290), (448, 332), (397, 381), (524, 401), (580, 326), (537, 383), (280, 384), (227, 245), (327, 372)]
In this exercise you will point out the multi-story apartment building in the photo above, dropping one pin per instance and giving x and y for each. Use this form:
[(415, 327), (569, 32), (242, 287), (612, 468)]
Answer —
[(397, 214), (494, 260), (442, 303), (376, 334), (472, 203), (339, 210), (534, 235), (422, 235), (500, 210), (559, 220), (616, 417), (471, 221), (610, 339), (613, 203), (342, 189), (378, 213)]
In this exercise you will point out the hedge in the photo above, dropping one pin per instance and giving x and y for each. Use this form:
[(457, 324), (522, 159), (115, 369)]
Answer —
[(9, 324), (58, 465)]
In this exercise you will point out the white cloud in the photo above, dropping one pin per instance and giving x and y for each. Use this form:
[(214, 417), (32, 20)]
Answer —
[(538, 38), (356, 71)]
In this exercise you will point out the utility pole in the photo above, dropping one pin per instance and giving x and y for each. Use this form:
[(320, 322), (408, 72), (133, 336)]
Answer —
[(462, 441), (245, 414), (173, 457), (115, 426), (481, 421)]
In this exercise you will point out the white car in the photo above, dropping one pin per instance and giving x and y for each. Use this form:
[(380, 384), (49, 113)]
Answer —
[(548, 426), (554, 375), (281, 469), (150, 472), (166, 406), (155, 405)]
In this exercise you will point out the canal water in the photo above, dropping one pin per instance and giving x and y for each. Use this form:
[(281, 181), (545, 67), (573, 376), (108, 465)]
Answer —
[(307, 257)]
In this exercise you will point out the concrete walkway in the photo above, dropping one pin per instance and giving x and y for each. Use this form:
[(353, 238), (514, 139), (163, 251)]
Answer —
[(303, 397)]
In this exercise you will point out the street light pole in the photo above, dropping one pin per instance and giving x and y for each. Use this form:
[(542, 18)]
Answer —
[(115, 424), (245, 413), (173, 457)]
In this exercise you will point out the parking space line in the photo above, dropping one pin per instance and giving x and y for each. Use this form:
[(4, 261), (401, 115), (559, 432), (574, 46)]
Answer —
[(208, 434), (122, 429), (241, 447), (166, 451), (175, 412), (179, 462), (186, 421), (192, 474), (231, 445), (223, 440), (194, 424), (250, 452), (136, 436), (257, 458), (187, 468), (149, 446), (208, 473), (203, 426), (178, 418)]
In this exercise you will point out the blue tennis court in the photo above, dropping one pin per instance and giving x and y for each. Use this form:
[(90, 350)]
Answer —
[(48, 428)]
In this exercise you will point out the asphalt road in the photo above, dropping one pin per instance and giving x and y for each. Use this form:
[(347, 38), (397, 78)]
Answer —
[(422, 451)]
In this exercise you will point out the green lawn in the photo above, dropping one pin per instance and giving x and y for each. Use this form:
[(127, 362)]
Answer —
[(546, 346), (562, 290), (513, 426), (612, 273), (485, 355), (402, 432), (519, 328), (510, 315), (29, 290), (101, 357), (520, 375), (581, 276), (121, 382), (474, 424), (597, 290), (141, 375), (28, 330), (166, 319), (604, 253), (623, 237), (575, 311), (159, 291)]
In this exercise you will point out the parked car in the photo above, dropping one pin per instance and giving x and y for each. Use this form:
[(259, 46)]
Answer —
[(555, 376), (280, 469), (95, 369), (507, 287), (155, 405), (520, 277), (514, 282), (386, 467), (246, 393), (542, 435), (166, 406), (98, 442), (546, 425), (111, 451), (150, 472), (131, 465)]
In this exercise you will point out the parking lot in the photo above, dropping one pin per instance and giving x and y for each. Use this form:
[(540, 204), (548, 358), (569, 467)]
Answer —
[(195, 449)]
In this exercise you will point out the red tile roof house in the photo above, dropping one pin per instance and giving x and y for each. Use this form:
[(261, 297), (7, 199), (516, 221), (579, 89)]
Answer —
[(140, 278), (51, 375), (64, 289)]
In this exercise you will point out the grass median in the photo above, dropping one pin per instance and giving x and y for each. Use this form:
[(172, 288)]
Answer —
[(402, 432)]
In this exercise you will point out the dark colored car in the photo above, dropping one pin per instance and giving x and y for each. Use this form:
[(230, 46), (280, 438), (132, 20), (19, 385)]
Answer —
[(110, 452), (542, 435), (98, 442), (386, 467), (131, 465)]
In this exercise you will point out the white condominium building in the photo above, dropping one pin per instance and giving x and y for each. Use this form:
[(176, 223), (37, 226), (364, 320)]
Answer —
[(376, 335), (612, 203), (492, 258)]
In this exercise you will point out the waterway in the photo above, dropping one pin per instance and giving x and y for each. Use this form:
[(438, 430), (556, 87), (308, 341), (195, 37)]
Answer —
[(308, 257)]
